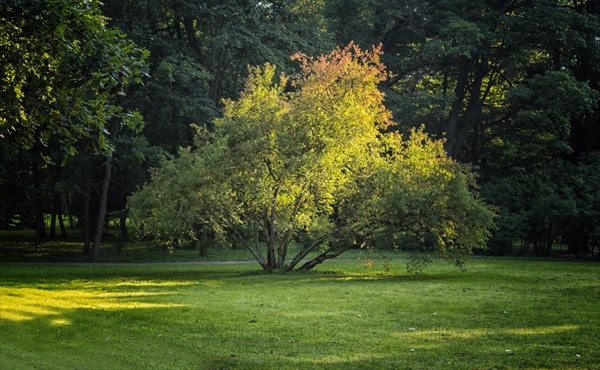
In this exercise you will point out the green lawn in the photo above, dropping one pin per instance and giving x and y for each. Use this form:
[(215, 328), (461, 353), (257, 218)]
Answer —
[(497, 314)]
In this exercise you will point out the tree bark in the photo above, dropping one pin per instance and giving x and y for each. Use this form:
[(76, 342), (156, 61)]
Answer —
[(102, 210), (40, 230), (190, 32), (474, 113), (305, 252), (61, 222), (86, 213), (123, 225), (69, 211), (55, 210), (459, 95), (322, 258)]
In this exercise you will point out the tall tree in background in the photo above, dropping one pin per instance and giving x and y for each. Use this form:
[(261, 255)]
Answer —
[(512, 86), (200, 51), (61, 69)]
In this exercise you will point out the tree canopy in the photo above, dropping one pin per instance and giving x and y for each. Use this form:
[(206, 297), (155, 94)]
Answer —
[(309, 157), (63, 74), (92, 93)]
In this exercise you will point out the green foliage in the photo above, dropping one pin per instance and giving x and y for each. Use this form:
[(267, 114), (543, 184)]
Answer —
[(315, 163), (512, 86), (175, 187), (429, 201), (200, 50), (64, 79), (61, 71)]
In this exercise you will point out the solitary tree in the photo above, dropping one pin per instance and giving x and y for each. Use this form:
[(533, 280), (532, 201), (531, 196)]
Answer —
[(307, 158)]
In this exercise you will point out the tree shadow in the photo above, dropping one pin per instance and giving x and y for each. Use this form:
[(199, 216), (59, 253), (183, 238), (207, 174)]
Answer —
[(211, 317)]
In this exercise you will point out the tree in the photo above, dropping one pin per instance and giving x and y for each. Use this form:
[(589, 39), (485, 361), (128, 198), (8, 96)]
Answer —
[(513, 86), (200, 50), (62, 71), (308, 158)]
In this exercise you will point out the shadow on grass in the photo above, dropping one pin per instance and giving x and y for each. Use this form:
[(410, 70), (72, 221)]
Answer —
[(235, 316), (180, 337)]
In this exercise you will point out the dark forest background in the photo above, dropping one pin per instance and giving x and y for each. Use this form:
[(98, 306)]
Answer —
[(93, 95)]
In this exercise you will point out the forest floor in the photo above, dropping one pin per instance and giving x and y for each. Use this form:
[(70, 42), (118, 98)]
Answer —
[(346, 314)]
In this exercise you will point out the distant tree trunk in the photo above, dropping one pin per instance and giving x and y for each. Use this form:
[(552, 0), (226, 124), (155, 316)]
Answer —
[(123, 225), (203, 238), (549, 239), (473, 115), (204, 250), (69, 211), (190, 32), (86, 212), (53, 225), (578, 245), (457, 106), (61, 223), (56, 201), (102, 210), (40, 230), (55, 212)]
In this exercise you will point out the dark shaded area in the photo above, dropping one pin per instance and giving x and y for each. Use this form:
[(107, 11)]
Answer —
[(513, 87)]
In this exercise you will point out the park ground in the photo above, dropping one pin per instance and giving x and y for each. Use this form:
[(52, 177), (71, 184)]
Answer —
[(346, 314)]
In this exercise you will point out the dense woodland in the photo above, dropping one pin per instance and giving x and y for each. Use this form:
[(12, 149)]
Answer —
[(93, 95)]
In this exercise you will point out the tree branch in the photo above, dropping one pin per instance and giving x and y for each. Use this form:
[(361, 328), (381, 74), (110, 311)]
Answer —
[(306, 251), (322, 257)]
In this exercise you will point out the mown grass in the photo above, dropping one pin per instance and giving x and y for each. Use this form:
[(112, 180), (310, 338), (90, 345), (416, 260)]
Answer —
[(498, 314)]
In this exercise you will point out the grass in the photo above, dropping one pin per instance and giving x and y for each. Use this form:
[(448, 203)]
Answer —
[(16, 249), (18, 246), (499, 314)]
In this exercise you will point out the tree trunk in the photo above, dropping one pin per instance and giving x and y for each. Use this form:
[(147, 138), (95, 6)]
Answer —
[(102, 210), (190, 32), (69, 211), (123, 225), (281, 254), (307, 249), (204, 249), (61, 223), (86, 212), (321, 258), (459, 95), (474, 113), (271, 264), (271, 232), (53, 217), (40, 230)]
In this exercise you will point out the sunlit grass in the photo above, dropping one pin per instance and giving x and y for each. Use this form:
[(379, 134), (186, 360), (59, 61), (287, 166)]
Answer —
[(20, 304), (497, 315)]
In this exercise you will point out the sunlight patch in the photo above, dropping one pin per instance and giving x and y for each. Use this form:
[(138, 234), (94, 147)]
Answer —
[(29, 303), (14, 316), (476, 333), (60, 322), (154, 283)]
